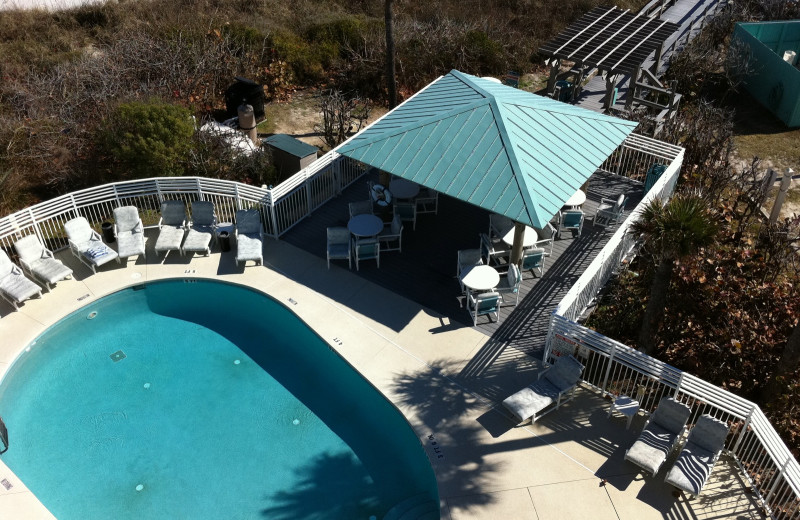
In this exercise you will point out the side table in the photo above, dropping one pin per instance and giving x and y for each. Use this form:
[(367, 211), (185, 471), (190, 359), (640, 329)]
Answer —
[(626, 406)]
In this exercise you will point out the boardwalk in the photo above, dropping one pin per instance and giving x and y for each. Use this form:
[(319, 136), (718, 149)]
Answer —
[(688, 14), (425, 270)]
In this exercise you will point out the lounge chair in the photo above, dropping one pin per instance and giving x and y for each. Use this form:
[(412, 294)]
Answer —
[(86, 245), (338, 245), (660, 434), (202, 228), (15, 288), (249, 236), (698, 455), (171, 227), (39, 261), (130, 232), (553, 384)]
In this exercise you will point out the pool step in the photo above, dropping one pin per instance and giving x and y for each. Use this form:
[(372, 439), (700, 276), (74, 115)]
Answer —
[(418, 507)]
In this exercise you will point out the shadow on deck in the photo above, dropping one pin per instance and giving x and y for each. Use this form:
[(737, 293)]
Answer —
[(425, 271)]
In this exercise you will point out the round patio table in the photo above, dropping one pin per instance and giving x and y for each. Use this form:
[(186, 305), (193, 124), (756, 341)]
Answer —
[(577, 199), (365, 225), (480, 277), (527, 241), (403, 189)]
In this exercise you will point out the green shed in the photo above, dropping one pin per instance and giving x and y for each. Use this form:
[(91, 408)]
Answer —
[(774, 76), (290, 155)]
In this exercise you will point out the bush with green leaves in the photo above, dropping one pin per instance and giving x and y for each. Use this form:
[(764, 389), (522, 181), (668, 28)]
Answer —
[(151, 139)]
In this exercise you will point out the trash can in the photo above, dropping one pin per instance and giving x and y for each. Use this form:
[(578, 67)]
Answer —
[(224, 241), (108, 232)]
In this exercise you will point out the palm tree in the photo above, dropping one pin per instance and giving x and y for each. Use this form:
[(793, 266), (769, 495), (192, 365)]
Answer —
[(670, 232), (391, 79)]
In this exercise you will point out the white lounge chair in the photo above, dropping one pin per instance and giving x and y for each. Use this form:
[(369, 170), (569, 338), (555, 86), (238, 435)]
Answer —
[(202, 228), (553, 384), (15, 288), (86, 245), (660, 434), (39, 261), (130, 232), (699, 455), (171, 227), (249, 236)]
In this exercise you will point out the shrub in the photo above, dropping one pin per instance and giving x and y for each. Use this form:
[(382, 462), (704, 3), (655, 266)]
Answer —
[(148, 139)]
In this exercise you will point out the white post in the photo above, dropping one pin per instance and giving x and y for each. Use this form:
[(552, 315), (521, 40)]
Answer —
[(786, 181), (608, 369)]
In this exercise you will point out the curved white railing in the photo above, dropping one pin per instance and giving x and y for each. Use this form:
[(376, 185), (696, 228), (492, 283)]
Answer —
[(281, 207), (615, 368)]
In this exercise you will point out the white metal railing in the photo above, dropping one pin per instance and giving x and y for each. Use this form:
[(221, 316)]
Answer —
[(281, 207), (611, 367)]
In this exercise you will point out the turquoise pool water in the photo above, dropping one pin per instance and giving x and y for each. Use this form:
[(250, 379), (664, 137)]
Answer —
[(225, 405)]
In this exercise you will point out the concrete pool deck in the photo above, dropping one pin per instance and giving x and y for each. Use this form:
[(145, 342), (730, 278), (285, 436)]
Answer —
[(568, 465)]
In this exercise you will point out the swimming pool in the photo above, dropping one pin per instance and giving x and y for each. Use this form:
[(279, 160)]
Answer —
[(201, 399)]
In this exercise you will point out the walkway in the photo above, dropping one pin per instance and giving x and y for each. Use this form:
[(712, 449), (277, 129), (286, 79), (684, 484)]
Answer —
[(689, 15)]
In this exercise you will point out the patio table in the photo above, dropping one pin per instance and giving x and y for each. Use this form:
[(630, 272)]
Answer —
[(577, 199), (527, 241), (480, 277), (403, 189), (365, 225)]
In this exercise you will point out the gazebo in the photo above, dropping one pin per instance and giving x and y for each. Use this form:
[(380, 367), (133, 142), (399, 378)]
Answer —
[(506, 150)]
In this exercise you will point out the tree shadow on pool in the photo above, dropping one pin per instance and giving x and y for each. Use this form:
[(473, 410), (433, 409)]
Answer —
[(330, 486)]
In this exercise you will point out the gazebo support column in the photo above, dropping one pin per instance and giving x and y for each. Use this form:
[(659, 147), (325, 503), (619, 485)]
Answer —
[(516, 249)]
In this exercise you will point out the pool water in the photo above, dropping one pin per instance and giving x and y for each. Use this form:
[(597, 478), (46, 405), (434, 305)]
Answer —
[(200, 399)]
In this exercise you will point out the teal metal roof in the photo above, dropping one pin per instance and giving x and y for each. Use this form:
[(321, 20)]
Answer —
[(291, 145), (500, 148)]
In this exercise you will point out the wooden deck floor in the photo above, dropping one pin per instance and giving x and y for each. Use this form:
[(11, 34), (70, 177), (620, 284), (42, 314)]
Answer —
[(425, 270)]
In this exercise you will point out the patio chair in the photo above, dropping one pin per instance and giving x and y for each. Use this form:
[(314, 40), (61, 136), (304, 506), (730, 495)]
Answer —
[(484, 304), (533, 259), (571, 220), (391, 238), (553, 384), (86, 245), (407, 211), (366, 249), (699, 455), (202, 228), (499, 225), (249, 236), (491, 250), (467, 258), (39, 261), (338, 245), (171, 227), (15, 288), (546, 237), (427, 201), (130, 232), (660, 434), (360, 207), (510, 284), (609, 211)]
